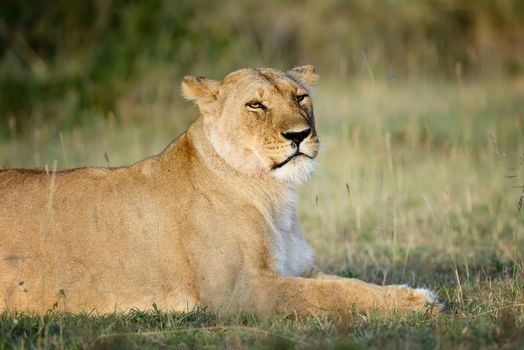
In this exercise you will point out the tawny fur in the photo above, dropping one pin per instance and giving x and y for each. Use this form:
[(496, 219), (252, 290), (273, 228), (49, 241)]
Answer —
[(210, 221)]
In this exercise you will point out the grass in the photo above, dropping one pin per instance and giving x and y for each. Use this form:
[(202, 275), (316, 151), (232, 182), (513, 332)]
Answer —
[(418, 182)]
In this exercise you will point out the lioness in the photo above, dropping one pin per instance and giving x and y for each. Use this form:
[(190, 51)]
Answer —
[(209, 221)]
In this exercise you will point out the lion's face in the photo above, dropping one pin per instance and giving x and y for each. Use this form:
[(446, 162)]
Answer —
[(261, 120)]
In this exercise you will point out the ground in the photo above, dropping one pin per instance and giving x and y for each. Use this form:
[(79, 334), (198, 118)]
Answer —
[(418, 182)]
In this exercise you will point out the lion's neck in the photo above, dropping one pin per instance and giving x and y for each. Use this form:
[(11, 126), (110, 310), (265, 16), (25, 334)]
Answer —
[(275, 201), (262, 189)]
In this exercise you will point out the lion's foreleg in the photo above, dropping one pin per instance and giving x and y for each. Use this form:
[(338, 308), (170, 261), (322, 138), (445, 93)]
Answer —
[(305, 296)]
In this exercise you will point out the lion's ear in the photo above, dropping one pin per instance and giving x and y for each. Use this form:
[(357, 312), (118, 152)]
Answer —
[(202, 91), (305, 75)]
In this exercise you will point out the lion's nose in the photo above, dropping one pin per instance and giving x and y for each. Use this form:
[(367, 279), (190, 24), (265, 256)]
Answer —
[(297, 136)]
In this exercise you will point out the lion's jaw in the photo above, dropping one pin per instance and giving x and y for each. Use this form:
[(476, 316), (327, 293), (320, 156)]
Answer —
[(296, 166), (298, 170), (256, 141)]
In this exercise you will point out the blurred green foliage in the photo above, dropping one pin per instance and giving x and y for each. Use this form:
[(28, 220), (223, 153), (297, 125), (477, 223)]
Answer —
[(59, 59)]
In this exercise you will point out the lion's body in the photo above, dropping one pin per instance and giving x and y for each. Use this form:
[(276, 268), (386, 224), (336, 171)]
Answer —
[(193, 225), (129, 237)]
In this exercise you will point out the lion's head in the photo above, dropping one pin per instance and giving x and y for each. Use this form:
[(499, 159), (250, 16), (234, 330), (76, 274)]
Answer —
[(260, 120)]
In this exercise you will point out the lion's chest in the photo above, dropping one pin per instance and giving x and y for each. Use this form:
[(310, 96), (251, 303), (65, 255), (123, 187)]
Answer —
[(291, 255)]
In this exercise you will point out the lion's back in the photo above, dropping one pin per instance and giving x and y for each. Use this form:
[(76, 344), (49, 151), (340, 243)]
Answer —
[(68, 228)]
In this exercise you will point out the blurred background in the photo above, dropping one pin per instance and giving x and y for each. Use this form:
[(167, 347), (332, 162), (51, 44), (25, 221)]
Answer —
[(61, 61), (419, 108)]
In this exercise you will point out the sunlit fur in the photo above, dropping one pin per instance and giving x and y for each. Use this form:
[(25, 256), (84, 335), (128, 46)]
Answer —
[(297, 171), (211, 221), (251, 140)]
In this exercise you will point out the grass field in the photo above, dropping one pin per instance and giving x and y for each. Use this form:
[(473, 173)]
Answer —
[(418, 182)]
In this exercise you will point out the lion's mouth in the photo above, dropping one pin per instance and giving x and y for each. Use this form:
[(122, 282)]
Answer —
[(288, 159)]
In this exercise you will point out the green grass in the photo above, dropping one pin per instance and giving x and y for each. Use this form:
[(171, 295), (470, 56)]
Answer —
[(467, 327), (418, 182)]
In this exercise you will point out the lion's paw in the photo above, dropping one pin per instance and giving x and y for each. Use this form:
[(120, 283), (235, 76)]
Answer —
[(419, 299)]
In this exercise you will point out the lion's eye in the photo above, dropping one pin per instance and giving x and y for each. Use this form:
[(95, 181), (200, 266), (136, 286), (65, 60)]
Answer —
[(300, 98), (255, 105)]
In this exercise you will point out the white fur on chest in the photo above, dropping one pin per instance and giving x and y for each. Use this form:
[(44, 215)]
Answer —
[(291, 254)]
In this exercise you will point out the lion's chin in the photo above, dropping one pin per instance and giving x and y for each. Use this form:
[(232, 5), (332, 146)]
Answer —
[(297, 171)]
